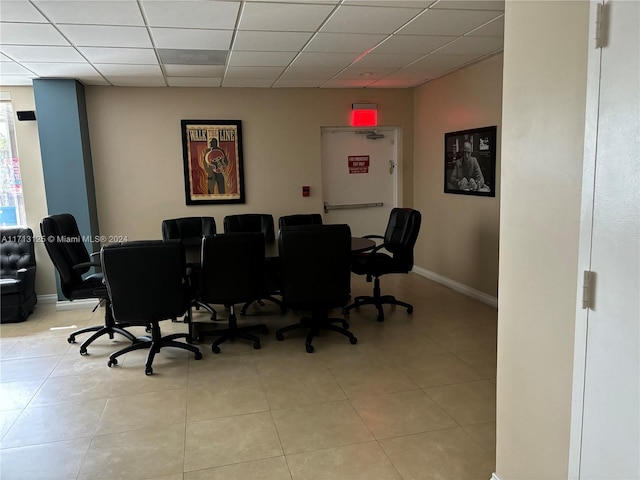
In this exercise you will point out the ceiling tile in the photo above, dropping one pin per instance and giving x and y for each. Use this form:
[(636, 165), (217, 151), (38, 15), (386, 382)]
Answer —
[(392, 3), (270, 41), (30, 34), (12, 68), (386, 60), (434, 64), (106, 36), (192, 14), (247, 82), (191, 38), (136, 81), (447, 22), (253, 72), (32, 53), (420, 44), (363, 74), (62, 70), (194, 70), (310, 73), (471, 45), (15, 80), (298, 83), (314, 59), (494, 28), (343, 42), (260, 59), (283, 17), (358, 19), (104, 12), (194, 82), (20, 11), (471, 4), (113, 69), (347, 83), (144, 56)]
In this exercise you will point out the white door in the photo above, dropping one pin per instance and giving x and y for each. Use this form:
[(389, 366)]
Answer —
[(610, 445), (359, 177)]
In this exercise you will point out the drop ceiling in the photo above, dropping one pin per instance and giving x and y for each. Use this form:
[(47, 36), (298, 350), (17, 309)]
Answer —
[(252, 43)]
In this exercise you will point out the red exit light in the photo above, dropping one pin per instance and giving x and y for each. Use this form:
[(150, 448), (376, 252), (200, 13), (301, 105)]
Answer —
[(364, 115)]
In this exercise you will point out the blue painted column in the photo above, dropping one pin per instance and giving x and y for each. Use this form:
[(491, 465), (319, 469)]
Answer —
[(66, 153)]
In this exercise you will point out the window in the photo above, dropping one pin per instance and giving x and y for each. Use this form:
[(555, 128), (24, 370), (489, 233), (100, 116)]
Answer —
[(11, 199)]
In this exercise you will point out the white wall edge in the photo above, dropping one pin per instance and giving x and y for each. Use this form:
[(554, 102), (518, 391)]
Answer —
[(494, 476), (458, 287), (50, 298)]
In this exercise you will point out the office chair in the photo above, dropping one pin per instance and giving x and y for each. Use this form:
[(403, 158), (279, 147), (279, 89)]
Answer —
[(257, 222), (146, 283), (399, 239), (299, 219), (71, 259), (17, 274), (190, 231), (232, 272), (316, 272)]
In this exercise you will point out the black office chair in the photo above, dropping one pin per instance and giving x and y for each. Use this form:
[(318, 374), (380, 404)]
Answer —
[(146, 284), (232, 272), (399, 239), (316, 272), (190, 231), (299, 219), (257, 222), (64, 245)]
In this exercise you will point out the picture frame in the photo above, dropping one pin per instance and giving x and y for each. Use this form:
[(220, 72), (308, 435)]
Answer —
[(213, 161), (470, 162)]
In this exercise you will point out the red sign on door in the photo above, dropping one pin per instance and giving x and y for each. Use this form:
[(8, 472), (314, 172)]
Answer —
[(358, 163)]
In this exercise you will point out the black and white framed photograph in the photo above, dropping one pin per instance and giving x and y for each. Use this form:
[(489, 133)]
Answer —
[(470, 162)]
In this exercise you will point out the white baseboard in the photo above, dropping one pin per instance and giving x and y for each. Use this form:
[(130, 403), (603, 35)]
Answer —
[(50, 298), (494, 476), (458, 287)]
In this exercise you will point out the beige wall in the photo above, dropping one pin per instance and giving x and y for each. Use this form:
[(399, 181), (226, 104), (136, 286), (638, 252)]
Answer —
[(137, 151), (543, 118), (459, 236)]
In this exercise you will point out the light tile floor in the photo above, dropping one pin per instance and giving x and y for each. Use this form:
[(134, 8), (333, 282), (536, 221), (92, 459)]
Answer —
[(414, 399)]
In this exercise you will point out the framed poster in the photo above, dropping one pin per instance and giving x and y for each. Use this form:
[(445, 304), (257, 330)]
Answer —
[(470, 162), (212, 156)]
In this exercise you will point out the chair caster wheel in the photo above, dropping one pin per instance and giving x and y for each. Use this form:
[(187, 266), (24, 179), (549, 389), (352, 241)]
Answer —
[(215, 349), (256, 346), (410, 310), (279, 337), (353, 340), (148, 371), (309, 348), (111, 363), (71, 340), (83, 351), (198, 356)]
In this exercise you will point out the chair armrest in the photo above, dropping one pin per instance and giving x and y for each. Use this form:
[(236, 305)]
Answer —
[(374, 236), (94, 254), (86, 264), (21, 273)]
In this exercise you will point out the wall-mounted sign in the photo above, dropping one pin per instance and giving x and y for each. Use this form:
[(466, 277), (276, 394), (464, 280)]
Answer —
[(358, 163)]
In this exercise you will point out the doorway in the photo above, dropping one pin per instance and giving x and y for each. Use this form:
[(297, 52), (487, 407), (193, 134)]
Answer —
[(360, 177)]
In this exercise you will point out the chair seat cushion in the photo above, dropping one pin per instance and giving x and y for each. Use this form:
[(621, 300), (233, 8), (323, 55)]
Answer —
[(10, 285), (91, 287), (374, 264)]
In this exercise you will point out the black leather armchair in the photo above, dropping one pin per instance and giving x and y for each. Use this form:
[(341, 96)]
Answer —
[(258, 222), (399, 239), (146, 284), (232, 273), (299, 219), (72, 261), (190, 231), (18, 274), (316, 272)]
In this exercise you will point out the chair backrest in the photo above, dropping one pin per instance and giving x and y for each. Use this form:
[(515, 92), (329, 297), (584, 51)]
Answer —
[(144, 280), (187, 228), (316, 265), (64, 245), (16, 250), (251, 222), (401, 235), (300, 219), (232, 268)]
